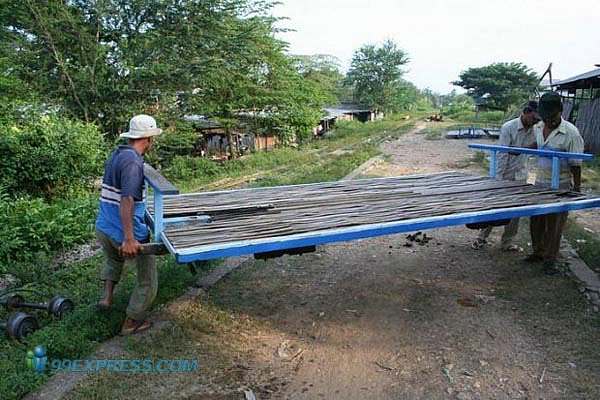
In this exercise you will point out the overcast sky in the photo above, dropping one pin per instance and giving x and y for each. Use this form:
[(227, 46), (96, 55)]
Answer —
[(445, 37)]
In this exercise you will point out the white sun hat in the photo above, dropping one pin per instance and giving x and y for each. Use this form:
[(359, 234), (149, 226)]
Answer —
[(141, 126)]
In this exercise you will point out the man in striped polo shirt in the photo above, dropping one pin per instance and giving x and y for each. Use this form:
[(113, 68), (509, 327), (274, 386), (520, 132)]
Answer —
[(120, 226)]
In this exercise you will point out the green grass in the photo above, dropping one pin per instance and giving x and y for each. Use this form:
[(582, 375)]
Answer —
[(484, 117), (80, 332), (586, 244), (326, 159), (77, 336), (590, 175)]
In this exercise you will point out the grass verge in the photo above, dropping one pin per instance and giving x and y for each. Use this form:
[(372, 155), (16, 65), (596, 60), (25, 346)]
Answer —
[(587, 244), (326, 159)]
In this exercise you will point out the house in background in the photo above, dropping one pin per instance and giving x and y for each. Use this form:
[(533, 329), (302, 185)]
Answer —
[(581, 105), (345, 112), (214, 142)]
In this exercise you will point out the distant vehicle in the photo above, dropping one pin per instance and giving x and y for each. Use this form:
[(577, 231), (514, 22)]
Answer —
[(474, 132)]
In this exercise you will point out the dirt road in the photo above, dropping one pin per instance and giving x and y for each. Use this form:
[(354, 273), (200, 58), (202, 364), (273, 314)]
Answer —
[(380, 319)]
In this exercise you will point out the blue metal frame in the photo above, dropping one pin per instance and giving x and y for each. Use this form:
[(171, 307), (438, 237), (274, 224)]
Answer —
[(230, 249), (160, 188), (554, 155)]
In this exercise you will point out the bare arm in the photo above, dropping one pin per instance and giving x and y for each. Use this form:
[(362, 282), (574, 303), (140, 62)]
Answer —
[(576, 172), (130, 246)]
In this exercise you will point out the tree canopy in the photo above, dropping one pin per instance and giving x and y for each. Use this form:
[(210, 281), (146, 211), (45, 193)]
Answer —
[(324, 71), (499, 85), (376, 76), (104, 60)]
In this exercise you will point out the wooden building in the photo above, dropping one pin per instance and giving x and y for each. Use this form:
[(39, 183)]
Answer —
[(345, 112), (214, 141), (581, 105)]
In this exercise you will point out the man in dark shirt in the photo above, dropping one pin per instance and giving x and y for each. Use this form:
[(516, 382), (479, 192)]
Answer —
[(120, 226)]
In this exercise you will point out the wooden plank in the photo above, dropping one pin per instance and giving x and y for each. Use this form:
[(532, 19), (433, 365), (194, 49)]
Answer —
[(334, 205)]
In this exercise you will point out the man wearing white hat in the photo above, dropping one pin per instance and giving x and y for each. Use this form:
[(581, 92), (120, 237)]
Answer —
[(120, 226)]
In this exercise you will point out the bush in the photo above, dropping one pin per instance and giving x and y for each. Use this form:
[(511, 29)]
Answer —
[(178, 140), (187, 167), (494, 117), (49, 155), (32, 227)]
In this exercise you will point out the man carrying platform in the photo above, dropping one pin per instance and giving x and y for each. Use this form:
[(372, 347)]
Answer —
[(120, 226), (517, 132), (553, 133)]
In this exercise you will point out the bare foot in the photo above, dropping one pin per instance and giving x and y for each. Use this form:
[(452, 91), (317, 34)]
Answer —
[(106, 302), (132, 326)]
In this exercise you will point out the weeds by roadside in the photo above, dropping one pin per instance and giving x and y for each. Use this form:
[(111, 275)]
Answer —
[(325, 159)]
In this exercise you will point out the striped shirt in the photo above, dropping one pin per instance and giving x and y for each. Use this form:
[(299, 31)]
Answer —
[(123, 176)]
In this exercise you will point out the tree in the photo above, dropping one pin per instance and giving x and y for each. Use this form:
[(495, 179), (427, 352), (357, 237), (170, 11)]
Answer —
[(324, 71), (105, 60), (501, 84), (375, 73)]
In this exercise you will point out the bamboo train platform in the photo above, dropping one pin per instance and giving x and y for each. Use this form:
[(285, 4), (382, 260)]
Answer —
[(208, 225)]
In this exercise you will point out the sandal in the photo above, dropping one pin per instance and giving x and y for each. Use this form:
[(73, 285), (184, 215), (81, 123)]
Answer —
[(138, 327), (512, 247), (478, 243)]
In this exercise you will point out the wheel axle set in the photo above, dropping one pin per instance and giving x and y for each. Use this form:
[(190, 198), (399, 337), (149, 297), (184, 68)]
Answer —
[(19, 324)]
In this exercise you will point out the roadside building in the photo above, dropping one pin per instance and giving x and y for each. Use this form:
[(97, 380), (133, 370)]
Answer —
[(581, 105), (345, 112), (214, 141)]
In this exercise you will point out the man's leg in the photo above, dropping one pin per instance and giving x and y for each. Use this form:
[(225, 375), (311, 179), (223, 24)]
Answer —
[(484, 233), (510, 231), (556, 224), (537, 227), (113, 267), (145, 289), (482, 237)]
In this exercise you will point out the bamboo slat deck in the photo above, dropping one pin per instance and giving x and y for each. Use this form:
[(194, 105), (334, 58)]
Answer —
[(250, 214)]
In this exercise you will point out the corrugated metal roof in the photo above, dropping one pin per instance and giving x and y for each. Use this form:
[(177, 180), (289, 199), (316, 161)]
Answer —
[(344, 108), (593, 75)]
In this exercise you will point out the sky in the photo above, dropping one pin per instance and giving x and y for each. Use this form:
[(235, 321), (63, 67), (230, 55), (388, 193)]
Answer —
[(444, 38)]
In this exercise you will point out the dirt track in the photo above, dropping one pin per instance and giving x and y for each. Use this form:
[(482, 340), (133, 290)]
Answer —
[(377, 320)]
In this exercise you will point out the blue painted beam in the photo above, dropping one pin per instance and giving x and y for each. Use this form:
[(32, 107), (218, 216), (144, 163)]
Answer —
[(493, 163), (555, 183), (158, 182), (161, 187), (535, 152), (220, 250)]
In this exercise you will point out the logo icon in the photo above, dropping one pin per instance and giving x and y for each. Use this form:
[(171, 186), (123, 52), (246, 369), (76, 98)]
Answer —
[(36, 359)]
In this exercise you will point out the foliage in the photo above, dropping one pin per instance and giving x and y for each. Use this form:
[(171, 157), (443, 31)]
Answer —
[(455, 104), (375, 73), (506, 84), (76, 335), (186, 167), (107, 60), (180, 139), (32, 226), (324, 71), (49, 155), (587, 244)]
